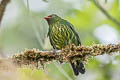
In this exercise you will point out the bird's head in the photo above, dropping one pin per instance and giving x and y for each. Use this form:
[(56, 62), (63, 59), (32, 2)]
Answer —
[(52, 18)]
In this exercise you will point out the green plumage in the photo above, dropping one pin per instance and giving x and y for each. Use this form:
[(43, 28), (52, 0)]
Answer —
[(61, 34)]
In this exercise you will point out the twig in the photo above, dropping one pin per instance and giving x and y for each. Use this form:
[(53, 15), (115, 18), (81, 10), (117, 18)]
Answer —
[(2, 8), (106, 13)]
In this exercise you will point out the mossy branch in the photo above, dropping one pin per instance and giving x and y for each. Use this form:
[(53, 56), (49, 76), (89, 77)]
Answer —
[(72, 53)]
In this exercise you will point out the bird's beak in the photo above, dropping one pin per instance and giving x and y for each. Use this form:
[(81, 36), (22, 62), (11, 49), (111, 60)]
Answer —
[(48, 17)]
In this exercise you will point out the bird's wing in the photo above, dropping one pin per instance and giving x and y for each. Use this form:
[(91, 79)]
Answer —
[(72, 28)]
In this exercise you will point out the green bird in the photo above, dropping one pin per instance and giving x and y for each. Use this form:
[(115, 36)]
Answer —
[(61, 34)]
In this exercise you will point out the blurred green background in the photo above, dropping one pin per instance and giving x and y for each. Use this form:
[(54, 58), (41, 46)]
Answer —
[(23, 26)]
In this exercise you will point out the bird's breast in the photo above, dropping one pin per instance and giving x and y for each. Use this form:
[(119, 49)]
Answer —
[(61, 36)]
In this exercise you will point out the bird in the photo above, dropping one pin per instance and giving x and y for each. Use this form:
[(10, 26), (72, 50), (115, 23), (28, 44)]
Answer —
[(61, 33)]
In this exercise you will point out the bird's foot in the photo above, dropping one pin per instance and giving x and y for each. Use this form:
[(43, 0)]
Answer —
[(54, 51)]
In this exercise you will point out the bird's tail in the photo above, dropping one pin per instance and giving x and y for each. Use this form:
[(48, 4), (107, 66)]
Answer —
[(78, 67)]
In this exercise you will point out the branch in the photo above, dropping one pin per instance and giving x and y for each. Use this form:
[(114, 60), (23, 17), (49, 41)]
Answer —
[(2, 8), (73, 53), (96, 3)]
